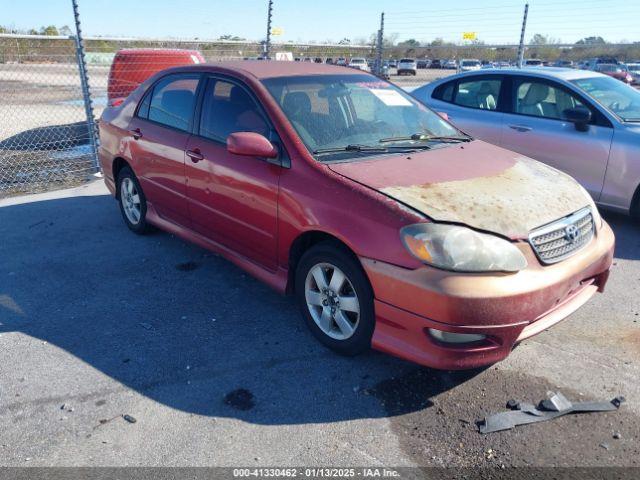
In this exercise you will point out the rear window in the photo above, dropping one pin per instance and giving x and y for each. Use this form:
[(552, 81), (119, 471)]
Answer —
[(407, 60), (172, 101)]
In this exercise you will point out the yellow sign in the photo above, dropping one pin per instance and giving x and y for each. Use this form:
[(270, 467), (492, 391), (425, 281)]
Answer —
[(277, 31), (469, 35)]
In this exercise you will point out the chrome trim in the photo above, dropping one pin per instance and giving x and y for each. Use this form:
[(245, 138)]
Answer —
[(583, 220)]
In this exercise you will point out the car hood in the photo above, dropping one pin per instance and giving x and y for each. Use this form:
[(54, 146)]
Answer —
[(477, 184)]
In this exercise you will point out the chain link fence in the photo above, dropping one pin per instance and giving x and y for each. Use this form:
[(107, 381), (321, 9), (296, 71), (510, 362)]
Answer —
[(46, 137)]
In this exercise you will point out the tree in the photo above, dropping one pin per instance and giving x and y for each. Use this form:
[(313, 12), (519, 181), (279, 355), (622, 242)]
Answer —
[(3, 29), (65, 30), (539, 39), (50, 30), (344, 41), (412, 42), (591, 41)]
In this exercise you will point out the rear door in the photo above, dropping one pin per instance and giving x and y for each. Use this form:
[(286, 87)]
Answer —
[(474, 104), (161, 128), (233, 199), (536, 127)]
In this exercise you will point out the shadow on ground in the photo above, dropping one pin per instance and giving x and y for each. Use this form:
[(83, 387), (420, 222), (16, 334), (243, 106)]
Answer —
[(627, 232), (181, 325)]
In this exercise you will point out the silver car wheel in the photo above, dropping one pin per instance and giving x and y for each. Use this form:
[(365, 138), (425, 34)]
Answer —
[(332, 301), (130, 199)]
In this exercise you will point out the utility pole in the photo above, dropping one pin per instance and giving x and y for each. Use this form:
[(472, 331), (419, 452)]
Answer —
[(267, 43), (84, 83), (521, 46), (379, 46)]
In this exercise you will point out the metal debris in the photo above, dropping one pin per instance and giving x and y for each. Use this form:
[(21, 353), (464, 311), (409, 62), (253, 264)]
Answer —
[(556, 405), (129, 418)]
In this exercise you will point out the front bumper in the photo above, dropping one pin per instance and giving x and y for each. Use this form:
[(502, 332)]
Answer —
[(507, 308)]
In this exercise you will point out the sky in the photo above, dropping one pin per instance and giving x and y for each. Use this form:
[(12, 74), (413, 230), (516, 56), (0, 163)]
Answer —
[(493, 21)]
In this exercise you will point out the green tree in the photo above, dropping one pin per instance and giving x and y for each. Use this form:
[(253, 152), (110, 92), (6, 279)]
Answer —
[(412, 42), (65, 30), (591, 41), (50, 30)]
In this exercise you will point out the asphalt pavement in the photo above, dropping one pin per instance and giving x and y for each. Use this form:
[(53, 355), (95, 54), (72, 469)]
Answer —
[(214, 368)]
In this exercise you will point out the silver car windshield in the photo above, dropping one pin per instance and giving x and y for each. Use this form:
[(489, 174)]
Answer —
[(620, 99), (349, 111)]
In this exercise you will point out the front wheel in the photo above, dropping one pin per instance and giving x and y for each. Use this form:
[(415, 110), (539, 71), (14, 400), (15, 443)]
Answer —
[(335, 298)]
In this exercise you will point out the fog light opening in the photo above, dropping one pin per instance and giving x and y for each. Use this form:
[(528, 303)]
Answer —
[(456, 338)]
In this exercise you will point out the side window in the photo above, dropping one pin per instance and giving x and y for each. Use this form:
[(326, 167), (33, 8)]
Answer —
[(481, 93), (444, 92), (228, 108), (541, 99), (172, 101)]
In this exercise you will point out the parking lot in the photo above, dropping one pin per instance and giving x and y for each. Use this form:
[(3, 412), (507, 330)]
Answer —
[(216, 369)]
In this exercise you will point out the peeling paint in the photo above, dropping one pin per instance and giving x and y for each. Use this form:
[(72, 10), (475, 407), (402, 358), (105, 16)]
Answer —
[(512, 203)]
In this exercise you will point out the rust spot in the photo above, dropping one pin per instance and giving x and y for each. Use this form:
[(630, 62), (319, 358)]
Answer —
[(512, 202)]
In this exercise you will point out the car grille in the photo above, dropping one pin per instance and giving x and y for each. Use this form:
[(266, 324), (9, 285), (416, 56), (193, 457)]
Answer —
[(562, 238)]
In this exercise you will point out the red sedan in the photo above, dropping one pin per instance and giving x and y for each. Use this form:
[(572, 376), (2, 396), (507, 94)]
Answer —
[(391, 227), (619, 72)]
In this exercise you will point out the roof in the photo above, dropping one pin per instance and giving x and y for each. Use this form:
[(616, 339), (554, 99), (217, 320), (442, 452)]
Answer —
[(262, 69), (548, 72)]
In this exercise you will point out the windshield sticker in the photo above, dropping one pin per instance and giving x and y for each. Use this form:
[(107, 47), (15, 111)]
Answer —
[(391, 98)]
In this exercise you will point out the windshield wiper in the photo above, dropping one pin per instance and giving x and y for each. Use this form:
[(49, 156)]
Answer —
[(369, 148), (425, 137), (350, 148)]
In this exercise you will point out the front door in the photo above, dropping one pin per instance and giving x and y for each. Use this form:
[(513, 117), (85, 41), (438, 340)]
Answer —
[(233, 199), (536, 127)]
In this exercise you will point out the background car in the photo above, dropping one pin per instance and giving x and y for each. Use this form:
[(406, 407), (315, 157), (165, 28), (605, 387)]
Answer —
[(581, 122), (360, 63), (131, 67), (617, 71), (436, 63), (634, 70), (341, 62), (422, 63), (407, 66), (564, 64), (468, 65), (450, 65), (533, 62)]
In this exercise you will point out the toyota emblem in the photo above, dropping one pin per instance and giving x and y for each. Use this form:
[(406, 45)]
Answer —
[(571, 233)]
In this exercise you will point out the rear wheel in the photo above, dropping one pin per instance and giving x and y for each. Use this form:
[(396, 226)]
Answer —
[(335, 298), (133, 204)]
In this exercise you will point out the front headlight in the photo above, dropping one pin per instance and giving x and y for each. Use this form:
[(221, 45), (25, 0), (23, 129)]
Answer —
[(461, 249)]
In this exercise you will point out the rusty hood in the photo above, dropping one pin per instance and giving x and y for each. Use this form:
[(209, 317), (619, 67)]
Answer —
[(476, 184)]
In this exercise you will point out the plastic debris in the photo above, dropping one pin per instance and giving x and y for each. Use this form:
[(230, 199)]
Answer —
[(129, 418), (555, 406)]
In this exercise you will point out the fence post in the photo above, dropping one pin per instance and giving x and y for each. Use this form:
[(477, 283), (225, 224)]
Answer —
[(521, 46), (84, 82), (378, 66), (267, 43)]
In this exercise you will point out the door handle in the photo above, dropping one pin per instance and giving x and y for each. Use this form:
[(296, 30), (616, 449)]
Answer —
[(520, 128), (136, 133), (195, 155)]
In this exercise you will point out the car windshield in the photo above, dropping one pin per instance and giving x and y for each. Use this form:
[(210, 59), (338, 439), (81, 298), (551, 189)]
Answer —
[(470, 63), (620, 99), (347, 111), (357, 60), (407, 60)]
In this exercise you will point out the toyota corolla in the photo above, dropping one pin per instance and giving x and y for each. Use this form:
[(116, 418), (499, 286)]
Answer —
[(392, 228)]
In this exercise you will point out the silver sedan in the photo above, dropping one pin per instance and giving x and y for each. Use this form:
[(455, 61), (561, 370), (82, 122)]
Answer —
[(581, 122)]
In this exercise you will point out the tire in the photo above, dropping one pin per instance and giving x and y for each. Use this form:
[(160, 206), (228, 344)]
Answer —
[(334, 332), (126, 199)]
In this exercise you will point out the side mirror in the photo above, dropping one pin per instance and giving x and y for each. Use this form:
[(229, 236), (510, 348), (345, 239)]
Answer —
[(251, 144), (579, 116), (443, 115)]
